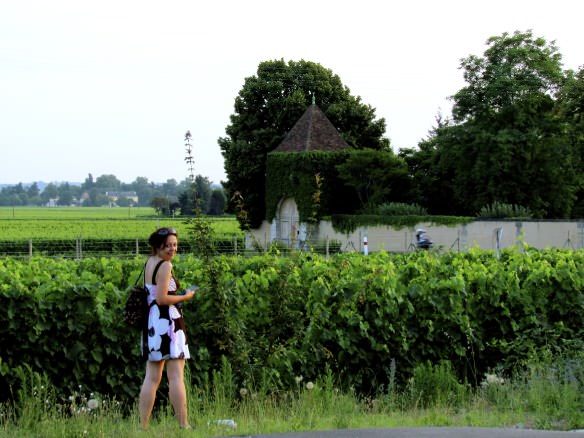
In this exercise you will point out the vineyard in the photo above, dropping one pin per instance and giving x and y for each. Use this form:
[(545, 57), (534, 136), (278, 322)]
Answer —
[(368, 319), (76, 212), (85, 232)]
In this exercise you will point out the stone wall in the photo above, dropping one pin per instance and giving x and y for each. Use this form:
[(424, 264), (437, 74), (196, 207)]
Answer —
[(484, 234)]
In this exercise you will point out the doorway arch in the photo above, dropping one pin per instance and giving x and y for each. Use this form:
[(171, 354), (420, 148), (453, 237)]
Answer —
[(288, 229)]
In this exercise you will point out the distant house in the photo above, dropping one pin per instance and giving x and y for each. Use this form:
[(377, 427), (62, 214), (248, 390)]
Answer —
[(114, 196)]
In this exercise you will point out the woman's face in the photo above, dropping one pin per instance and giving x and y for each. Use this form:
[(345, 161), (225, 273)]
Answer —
[(168, 250)]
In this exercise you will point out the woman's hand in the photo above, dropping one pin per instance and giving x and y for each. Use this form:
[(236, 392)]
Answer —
[(190, 292)]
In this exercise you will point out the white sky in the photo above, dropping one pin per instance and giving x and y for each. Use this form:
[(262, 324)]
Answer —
[(111, 86)]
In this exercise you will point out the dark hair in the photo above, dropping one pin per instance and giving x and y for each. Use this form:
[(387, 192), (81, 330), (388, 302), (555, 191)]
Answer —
[(158, 238)]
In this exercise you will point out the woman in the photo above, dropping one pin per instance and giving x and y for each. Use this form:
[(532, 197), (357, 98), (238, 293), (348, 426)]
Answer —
[(165, 342)]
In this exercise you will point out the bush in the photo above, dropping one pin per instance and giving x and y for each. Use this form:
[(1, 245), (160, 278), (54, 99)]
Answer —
[(400, 209), (274, 318), (499, 210)]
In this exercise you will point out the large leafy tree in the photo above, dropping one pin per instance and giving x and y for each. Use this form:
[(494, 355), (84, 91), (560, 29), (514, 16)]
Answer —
[(376, 177), (268, 106), (571, 110), (506, 143), (431, 180)]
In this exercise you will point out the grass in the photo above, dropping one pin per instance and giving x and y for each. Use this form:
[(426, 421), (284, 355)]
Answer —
[(543, 395)]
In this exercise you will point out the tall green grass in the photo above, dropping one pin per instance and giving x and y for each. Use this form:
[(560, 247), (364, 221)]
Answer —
[(546, 393)]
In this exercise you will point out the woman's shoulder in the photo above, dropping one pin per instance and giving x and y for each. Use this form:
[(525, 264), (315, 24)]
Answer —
[(156, 264), (154, 261)]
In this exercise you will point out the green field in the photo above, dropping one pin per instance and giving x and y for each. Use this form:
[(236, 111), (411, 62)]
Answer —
[(24, 223), (76, 212)]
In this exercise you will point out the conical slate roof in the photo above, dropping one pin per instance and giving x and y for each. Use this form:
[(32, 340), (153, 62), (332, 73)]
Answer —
[(312, 132)]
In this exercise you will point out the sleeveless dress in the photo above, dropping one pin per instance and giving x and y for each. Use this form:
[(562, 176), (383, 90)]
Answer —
[(165, 334)]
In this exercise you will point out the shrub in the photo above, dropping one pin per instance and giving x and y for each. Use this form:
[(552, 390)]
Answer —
[(500, 210), (400, 209)]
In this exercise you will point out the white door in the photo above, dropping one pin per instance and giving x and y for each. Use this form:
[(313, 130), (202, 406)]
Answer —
[(288, 221)]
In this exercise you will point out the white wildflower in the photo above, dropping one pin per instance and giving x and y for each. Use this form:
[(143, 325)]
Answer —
[(92, 404), (493, 379), (309, 386), (243, 392), (298, 379)]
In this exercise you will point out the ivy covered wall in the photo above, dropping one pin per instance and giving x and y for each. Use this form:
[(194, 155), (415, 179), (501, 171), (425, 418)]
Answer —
[(293, 174)]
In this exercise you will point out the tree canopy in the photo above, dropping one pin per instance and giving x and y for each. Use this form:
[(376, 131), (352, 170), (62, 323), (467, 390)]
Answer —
[(268, 106), (506, 142)]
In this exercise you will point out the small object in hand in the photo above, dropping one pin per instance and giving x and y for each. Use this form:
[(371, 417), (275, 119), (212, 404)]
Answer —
[(184, 292)]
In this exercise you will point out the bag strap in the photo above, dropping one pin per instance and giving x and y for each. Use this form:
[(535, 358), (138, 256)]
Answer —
[(154, 272), (144, 276)]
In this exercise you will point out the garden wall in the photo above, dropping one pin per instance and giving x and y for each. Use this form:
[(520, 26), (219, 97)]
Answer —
[(484, 234)]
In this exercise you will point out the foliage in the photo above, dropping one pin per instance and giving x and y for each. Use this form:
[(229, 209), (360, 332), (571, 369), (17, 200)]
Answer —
[(347, 223), (210, 200), (42, 213), (101, 229), (506, 142), (293, 175), (268, 106), (512, 148), (435, 384), (569, 109), (499, 210), (91, 193), (545, 394), (376, 176), (400, 209), (277, 318)]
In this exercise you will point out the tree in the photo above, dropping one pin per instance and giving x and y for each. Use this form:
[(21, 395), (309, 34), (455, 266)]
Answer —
[(376, 176), (50, 192), (217, 202), (88, 184), (202, 187), (144, 190), (571, 109), (161, 205), (65, 194), (430, 179), (268, 106), (33, 190), (108, 183), (507, 144)]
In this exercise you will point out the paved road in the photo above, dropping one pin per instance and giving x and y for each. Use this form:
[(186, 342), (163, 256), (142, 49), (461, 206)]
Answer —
[(428, 432)]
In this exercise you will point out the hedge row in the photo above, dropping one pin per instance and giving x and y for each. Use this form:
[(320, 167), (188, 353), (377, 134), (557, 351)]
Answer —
[(276, 318)]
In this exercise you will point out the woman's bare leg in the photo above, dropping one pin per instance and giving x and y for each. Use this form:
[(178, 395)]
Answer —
[(176, 390), (148, 391)]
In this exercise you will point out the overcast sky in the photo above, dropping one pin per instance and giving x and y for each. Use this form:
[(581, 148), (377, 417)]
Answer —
[(111, 86)]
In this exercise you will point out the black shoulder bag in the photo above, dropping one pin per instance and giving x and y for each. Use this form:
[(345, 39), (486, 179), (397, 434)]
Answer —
[(136, 308)]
